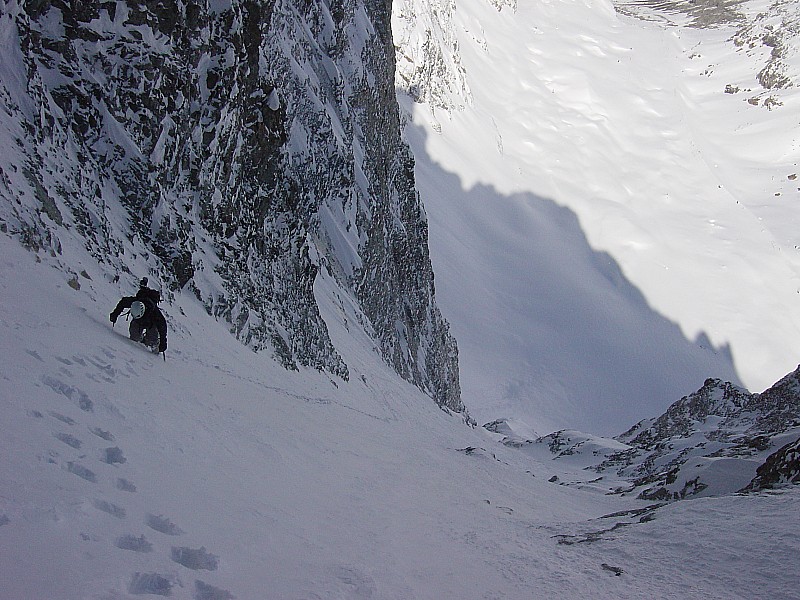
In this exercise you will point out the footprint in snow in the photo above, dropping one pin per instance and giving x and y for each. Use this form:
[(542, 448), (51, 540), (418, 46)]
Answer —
[(354, 583), (65, 371), (203, 591), (161, 585), (70, 392), (106, 435), (34, 354), (151, 583), (69, 440), (62, 418), (196, 559), (163, 525), (125, 485), (113, 456), (109, 508), (133, 543), (82, 472), (616, 571)]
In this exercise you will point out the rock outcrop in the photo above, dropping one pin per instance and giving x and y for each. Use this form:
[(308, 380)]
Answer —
[(781, 468)]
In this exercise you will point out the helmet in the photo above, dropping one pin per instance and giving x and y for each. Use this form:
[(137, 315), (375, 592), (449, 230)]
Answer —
[(137, 309)]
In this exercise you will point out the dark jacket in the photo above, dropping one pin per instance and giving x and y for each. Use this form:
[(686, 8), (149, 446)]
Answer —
[(152, 316)]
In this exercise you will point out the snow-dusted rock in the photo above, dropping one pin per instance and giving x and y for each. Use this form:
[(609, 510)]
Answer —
[(234, 150), (428, 61), (780, 468), (710, 442)]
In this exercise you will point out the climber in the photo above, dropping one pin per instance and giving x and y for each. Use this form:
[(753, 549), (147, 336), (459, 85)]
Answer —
[(148, 325)]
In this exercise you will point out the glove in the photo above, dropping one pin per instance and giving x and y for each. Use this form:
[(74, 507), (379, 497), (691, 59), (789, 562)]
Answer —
[(162, 346), (112, 317)]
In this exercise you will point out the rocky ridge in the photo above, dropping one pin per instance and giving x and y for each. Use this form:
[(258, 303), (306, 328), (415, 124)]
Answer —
[(710, 442)]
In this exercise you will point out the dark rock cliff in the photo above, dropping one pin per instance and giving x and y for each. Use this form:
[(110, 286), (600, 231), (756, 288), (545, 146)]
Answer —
[(233, 149)]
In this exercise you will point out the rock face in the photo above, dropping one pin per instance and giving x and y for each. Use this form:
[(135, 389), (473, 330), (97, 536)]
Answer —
[(780, 468), (774, 35), (429, 68), (429, 65), (233, 149)]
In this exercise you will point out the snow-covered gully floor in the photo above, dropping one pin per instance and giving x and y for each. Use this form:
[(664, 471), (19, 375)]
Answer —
[(216, 475)]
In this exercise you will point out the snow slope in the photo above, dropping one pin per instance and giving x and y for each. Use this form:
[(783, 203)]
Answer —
[(217, 474), (609, 227)]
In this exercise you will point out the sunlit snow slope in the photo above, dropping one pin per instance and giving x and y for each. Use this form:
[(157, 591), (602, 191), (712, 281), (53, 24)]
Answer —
[(609, 227)]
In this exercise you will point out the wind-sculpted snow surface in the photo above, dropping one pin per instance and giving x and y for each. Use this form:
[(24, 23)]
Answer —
[(232, 149)]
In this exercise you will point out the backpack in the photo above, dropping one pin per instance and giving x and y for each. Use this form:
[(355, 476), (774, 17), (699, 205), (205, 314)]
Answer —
[(150, 294)]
